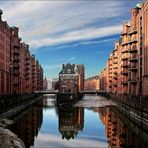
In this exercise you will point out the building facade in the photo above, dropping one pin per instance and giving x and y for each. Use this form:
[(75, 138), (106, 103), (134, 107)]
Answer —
[(20, 73), (5, 35), (126, 68), (102, 79), (92, 83), (71, 78)]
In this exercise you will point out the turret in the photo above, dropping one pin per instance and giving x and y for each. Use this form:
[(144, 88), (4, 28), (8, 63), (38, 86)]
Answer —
[(134, 13)]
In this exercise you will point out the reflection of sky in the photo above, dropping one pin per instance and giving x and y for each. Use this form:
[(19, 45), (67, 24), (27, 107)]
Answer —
[(92, 135)]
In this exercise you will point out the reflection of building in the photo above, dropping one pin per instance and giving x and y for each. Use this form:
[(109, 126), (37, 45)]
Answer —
[(71, 78), (70, 122), (28, 125), (92, 83), (120, 130)]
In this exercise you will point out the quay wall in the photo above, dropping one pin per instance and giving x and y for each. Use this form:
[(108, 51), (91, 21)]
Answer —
[(12, 104), (138, 103)]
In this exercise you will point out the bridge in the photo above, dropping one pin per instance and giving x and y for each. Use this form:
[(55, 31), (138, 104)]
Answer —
[(47, 92), (98, 92)]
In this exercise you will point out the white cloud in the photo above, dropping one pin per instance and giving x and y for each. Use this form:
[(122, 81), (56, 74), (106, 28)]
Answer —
[(71, 59), (57, 141), (57, 22), (78, 35)]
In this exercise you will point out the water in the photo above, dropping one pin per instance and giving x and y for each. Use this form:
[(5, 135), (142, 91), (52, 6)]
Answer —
[(44, 125)]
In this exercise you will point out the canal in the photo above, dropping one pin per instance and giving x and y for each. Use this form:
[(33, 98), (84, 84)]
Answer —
[(85, 125)]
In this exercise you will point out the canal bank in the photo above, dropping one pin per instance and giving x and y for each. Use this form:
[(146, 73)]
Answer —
[(137, 103), (23, 102), (12, 105)]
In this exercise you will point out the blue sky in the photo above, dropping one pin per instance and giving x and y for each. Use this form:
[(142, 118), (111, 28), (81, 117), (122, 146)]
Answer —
[(81, 32)]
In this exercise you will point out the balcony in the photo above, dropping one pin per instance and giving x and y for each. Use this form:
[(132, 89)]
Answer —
[(27, 78), (115, 57), (16, 66), (16, 84), (123, 44), (115, 72), (133, 58), (16, 51), (27, 68), (15, 72), (124, 57), (123, 33), (133, 67), (27, 58), (16, 42), (115, 77), (115, 84), (115, 67), (133, 50), (124, 82), (124, 51), (132, 80), (27, 73), (134, 31), (134, 40), (124, 64), (33, 73), (16, 59), (27, 62), (124, 72)]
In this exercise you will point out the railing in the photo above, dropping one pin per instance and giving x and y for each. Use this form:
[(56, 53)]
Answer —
[(125, 64), (133, 50), (132, 40), (124, 72), (16, 59), (137, 102), (16, 51), (132, 31), (124, 57), (133, 67), (133, 58)]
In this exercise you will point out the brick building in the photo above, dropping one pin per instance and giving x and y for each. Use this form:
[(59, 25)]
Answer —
[(92, 83), (102, 80), (19, 71), (4, 56), (71, 78), (126, 69)]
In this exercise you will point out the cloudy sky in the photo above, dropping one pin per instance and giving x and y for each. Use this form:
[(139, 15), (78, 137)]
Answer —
[(70, 31)]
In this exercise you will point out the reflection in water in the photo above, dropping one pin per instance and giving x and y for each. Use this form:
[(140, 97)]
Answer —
[(121, 130), (28, 125), (61, 128), (70, 122)]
